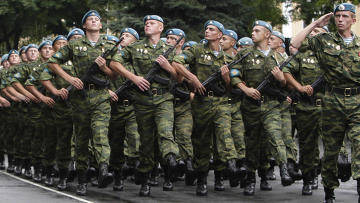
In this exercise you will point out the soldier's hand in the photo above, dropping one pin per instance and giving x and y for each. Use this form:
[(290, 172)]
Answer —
[(34, 99), (142, 83), (253, 93), (192, 95), (63, 93), (113, 95), (48, 101), (225, 73), (27, 100), (77, 83), (324, 20), (307, 89), (17, 99), (163, 62), (4, 102), (198, 87), (288, 99), (278, 74), (101, 62)]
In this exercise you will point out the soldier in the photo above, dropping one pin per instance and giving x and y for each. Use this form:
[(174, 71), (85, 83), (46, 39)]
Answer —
[(187, 45), (90, 99), (153, 102), (276, 42), (5, 61), (123, 124), (23, 54), (211, 111), (338, 56), (244, 42), (262, 120)]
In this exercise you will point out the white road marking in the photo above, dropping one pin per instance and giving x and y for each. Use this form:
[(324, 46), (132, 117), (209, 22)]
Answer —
[(46, 188)]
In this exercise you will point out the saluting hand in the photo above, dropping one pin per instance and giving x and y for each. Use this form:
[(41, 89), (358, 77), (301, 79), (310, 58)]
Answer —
[(77, 83), (324, 20)]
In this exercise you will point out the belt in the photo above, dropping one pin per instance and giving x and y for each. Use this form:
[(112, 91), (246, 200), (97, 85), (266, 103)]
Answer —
[(233, 100), (157, 91), (347, 92), (90, 86), (210, 94)]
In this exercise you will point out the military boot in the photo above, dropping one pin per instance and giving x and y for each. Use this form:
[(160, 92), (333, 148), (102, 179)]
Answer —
[(118, 180), (37, 173), (307, 184), (63, 174), (154, 177), (264, 184), (201, 189), (27, 167), (329, 195), (105, 178), (2, 159), (145, 187), (71, 171), (249, 189), (286, 180), (233, 173), (358, 185), (294, 173), (81, 188), (171, 163), (10, 168), (219, 186), (190, 175), (344, 167), (180, 170), (270, 174), (49, 181), (18, 164), (167, 185)]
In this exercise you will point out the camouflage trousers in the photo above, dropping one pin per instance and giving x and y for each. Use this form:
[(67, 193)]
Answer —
[(20, 132), (57, 141), (309, 126), (37, 118), (341, 115), (91, 116), (237, 128), (286, 132), (123, 127), (155, 118), (212, 123), (183, 126), (262, 125)]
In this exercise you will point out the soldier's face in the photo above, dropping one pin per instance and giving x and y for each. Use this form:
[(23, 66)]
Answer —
[(212, 33), (92, 23), (32, 54), (6, 64), (46, 51), (14, 59), (153, 27), (24, 57), (275, 42), (227, 42), (127, 39), (75, 37), (58, 44), (344, 20), (259, 34)]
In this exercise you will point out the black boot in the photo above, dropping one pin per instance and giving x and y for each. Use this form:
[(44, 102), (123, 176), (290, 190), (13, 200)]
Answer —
[(71, 171), (18, 163), (81, 188), (180, 170), (358, 186), (264, 184), (105, 178), (154, 177), (63, 174), (145, 187), (37, 173), (27, 167), (201, 189), (293, 172), (270, 174), (329, 195), (249, 189), (167, 185), (10, 168), (241, 165), (286, 180), (219, 186), (190, 175), (307, 184), (233, 173), (118, 180), (171, 163), (49, 181), (2, 159)]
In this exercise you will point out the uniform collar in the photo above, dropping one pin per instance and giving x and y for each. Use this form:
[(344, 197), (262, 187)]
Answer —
[(101, 41), (209, 51), (159, 45)]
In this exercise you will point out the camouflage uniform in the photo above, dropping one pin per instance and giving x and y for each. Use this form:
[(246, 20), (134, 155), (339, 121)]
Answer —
[(341, 112), (91, 105), (308, 115), (154, 108), (264, 121), (212, 113)]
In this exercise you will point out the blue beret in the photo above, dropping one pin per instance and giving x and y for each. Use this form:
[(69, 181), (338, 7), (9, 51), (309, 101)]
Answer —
[(175, 31), (131, 31), (264, 24), (75, 31), (231, 33), (4, 58), (59, 37), (203, 41), (189, 44), (345, 7), (112, 38), (31, 46), (44, 43), (13, 51), (245, 41), (88, 14), (279, 35), (216, 24), (163, 39), (23, 48), (153, 17)]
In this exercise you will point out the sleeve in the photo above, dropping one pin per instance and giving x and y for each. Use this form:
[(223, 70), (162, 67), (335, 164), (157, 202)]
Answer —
[(186, 57), (293, 67), (236, 73), (45, 74), (122, 56), (61, 56), (31, 80), (17, 75), (312, 43)]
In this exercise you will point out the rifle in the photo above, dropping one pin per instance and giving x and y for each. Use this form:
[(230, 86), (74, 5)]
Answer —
[(310, 99)]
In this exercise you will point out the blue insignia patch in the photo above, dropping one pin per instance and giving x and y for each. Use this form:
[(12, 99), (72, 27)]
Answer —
[(57, 55), (183, 56), (46, 70), (17, 75), (234, 73), (32, 78)]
